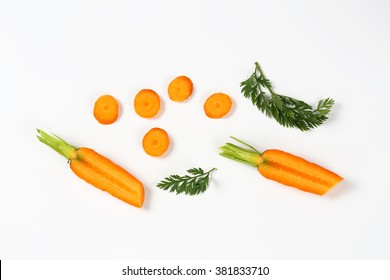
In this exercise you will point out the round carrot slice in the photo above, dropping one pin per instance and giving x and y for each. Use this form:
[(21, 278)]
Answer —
[(106, 109), (217, 105), (155, 142), (147, 103), (180, 88)]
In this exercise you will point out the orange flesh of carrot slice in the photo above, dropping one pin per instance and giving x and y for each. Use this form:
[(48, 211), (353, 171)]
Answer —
[(147, 103), (106, 109), (155, 142), (180, 89), (217, 105)]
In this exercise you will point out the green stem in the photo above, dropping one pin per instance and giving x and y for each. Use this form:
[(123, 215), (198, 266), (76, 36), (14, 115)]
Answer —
[(211, 170), (205, 174), (249, 156), (258, 68), (57, 144)]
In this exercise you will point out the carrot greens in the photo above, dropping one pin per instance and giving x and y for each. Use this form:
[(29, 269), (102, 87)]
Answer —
[(193, 184), (287, 111)]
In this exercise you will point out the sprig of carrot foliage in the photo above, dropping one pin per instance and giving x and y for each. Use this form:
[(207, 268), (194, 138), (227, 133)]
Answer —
[(193, 184), (286, 110)]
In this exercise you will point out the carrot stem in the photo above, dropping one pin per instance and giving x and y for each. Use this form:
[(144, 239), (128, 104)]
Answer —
[(246, 144), (57, 144), (249, 156)]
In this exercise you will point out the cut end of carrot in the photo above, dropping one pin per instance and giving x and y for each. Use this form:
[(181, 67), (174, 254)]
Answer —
[(138, 201), (147, 103), (155, 142), (336, 180), (180, 89), (217, 105), (106, 109), (134, 194)]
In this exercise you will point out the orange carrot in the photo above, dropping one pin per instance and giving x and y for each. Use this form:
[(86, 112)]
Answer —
[(217, 105), (106, 109), (155, 142), (147, 103), (180, 88), (284, 168), (98, 170)]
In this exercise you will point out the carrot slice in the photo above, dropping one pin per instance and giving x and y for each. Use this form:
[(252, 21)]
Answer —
[(217, 105), (155, 142), (180, 89), (147, 103), (106, 109)]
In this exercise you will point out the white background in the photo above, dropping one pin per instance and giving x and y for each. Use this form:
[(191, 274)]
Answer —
[(57, 57)]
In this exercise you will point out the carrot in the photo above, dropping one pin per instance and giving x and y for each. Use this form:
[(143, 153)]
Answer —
[(284, 168), (155, 142), (180, 88), (147, 103), (217, 105), (98, 170), (106, 109)]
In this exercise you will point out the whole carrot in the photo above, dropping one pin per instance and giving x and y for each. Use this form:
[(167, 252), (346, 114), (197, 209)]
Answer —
[(98, 170), (284, 168)]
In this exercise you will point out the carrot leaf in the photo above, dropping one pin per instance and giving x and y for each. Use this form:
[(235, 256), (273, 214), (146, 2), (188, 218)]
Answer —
[(287, 111), (187, 184), (196, 171)]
